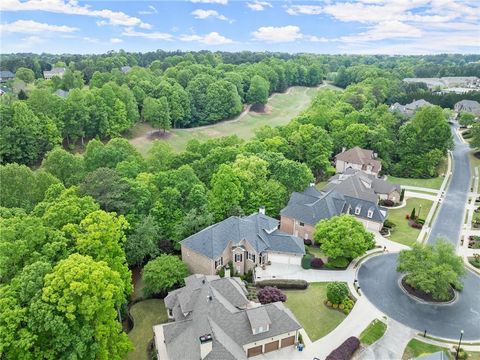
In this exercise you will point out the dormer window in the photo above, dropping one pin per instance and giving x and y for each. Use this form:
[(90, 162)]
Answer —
[(219, 262), (358, 208), (301, 224), (370, 213)]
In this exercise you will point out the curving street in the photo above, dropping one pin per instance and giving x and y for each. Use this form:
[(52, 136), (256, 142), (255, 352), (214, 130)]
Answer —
[(378, 279), (450, 217)]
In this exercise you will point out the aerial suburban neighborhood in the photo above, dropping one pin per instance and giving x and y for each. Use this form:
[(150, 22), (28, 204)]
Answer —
[(250, 179)]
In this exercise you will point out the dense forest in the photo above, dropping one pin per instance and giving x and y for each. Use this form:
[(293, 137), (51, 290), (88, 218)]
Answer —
[(89, 218)]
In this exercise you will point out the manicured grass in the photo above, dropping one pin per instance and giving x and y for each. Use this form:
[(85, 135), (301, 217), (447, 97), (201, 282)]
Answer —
[(416, 348), (321, 184), (373, 332), (145, 314), (314, 250), (433, 183), (403, 233), (473, 355), (474, 162), (281, 108), (315, 317)]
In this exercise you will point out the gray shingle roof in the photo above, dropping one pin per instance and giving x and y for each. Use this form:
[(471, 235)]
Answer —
[(230, 326), (6, 74), (317, 206), (259, 230), (470, 106), (361, 185), (258, 317)]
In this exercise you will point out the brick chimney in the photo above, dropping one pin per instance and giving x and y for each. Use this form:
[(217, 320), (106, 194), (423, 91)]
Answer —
[(205, 345)]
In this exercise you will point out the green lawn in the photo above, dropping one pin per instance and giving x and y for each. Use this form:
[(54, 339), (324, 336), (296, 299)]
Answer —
[(433, 183), (314, 250), (281, 108), (416, 348), (403, 233), (373, 332), (145, 314), (474, 162), (315, 317)]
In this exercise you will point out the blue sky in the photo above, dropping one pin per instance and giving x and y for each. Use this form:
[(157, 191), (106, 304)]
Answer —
[(343, 26)]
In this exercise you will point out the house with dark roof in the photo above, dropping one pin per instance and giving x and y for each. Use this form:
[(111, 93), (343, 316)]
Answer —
[(470, 106), (358, 158), (359, 184), (6, 75), (125, 69), (56, 71), (213, 319), (245, 241), (304, 210), (409, 109)]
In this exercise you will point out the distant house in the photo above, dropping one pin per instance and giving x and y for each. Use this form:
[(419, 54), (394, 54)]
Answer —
[(359, 184), (56, 71), (125, 69), (358, 158), (245, 241), (304, 210), (213, 319), (470, 106), (6, 75), (409, 109), (61, 93)]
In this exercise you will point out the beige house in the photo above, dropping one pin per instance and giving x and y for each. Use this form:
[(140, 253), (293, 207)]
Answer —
[(245, 241), (56, 71), (213, 319), (358, 159)]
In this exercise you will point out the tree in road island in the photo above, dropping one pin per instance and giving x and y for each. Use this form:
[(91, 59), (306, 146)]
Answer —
[(343, 237), (432, 269), (466, 119), (163, 274)]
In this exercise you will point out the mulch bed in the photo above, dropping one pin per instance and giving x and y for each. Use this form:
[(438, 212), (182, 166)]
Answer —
[(423, 295)]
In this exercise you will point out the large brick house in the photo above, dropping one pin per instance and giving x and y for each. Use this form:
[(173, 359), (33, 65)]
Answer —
[(245, 241), (358, 159), (304, 210), (213, 319)]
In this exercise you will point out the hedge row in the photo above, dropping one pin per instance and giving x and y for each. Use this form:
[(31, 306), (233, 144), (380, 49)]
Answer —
[(346, 350), (284, 283)]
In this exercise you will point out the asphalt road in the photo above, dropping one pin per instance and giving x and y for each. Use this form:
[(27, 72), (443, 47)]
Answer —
[(378, 280), (378, 277), (450, 217)]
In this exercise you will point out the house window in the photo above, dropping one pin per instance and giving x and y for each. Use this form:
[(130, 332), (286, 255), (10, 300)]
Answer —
[(238, 257), (302, 224), (251, 257), (357, 210), (170, 312), (370, 213), (219, 262)]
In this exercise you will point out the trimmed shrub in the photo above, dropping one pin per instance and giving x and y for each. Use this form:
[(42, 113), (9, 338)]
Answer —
[(420, 221), (402, 195), (346, 311), (346, 350), (387, 202), (335, 306), (338, 263), (307, 242), (337, 292), (389, 224), (316, 263), (270, 294), (341, 306), (307, 258), (284, 283), (329, 303)]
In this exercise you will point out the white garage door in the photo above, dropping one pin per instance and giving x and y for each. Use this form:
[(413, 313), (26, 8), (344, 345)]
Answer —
[(284, 259)]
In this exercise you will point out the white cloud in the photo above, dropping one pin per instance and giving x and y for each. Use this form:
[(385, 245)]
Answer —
[(115, 40), (32, 27), (258, 5), (277, 34), (29, 42), (304, 9), (90, 40), (147, 35), (314, 38), (151, 10), (205, 14), (221, 2), (385, 30), (72, 8), (213, 38)]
